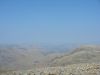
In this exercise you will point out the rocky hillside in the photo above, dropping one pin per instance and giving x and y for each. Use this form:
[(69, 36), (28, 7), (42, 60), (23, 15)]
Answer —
[(82, 54), (75, 69), (13, 57), (21, 58)]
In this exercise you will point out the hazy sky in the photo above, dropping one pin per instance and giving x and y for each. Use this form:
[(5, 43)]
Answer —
[(49, 21)]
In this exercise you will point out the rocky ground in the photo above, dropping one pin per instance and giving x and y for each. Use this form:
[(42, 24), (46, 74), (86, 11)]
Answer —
[(74, 69)]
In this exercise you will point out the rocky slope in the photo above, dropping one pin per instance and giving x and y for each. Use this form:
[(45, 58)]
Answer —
[(82, 54), (78, 62), (75, 69), (13, 57)]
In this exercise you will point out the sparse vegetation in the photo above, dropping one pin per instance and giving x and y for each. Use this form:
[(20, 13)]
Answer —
[(82, 61), (75, 69)]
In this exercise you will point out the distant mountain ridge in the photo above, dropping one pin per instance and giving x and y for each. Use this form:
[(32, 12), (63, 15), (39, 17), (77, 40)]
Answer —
[(18, 57), (25, 56), (82, 54), (15, 57)]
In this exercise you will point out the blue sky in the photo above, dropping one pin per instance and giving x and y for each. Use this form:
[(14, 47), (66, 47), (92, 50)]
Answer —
[(49, 21)]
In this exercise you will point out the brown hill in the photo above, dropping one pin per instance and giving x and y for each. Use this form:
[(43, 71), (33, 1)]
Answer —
[(83, 54)]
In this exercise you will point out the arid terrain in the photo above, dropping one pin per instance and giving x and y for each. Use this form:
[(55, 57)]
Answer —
[(20, 60), (74, 69)]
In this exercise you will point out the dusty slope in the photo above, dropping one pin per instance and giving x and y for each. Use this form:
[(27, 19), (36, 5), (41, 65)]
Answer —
[(18, 57), (13, 57), (22, 57), (75, 69), (83, 54)]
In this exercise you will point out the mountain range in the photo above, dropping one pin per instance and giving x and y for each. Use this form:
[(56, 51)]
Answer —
[(15, 57)]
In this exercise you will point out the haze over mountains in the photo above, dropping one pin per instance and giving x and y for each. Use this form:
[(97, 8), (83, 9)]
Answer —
[(23, 57), (13, 57), (83, 54)]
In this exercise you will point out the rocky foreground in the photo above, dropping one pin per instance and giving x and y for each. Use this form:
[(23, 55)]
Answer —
[(74, 69)]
